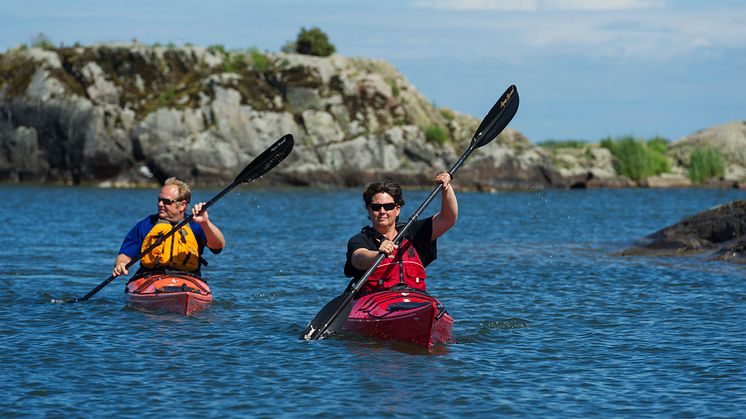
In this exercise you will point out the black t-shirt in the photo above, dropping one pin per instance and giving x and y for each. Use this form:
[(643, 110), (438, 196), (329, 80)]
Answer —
[(419, 233)]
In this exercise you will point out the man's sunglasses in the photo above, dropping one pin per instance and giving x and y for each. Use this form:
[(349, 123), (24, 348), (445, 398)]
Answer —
[(167, 201), (387, 206)]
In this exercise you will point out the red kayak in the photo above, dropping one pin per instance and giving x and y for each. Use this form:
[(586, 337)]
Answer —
[(403, 316), (172, 292)]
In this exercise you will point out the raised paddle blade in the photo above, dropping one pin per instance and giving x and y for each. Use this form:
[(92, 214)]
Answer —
[(497, 118), (264, 162), (494, 122)]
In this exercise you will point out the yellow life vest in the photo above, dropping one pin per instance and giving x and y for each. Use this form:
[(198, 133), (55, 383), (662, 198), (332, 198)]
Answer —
[(179, 251)]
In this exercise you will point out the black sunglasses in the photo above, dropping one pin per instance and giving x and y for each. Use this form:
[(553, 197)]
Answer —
[(387, 206), (167, 201)]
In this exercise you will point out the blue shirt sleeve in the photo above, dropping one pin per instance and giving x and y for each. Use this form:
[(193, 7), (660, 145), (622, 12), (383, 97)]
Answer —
[(132, 243)]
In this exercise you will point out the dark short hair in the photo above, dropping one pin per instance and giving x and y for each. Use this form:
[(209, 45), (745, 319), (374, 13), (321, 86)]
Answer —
[(386, 186)]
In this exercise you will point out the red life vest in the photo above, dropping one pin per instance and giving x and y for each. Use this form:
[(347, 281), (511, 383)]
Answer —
[(404, 268)]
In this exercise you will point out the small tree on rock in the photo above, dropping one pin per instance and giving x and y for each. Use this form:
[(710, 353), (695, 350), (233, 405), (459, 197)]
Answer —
[(313, 42)]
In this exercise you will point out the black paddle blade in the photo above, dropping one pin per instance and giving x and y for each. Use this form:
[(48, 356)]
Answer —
[(316, 330), (264, 162), (497, 118)]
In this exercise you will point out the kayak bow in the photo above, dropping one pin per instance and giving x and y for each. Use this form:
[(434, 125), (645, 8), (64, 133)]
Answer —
[(172, 292), (409, 316)]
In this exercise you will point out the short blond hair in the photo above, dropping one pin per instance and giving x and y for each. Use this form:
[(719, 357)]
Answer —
[(185, 194)]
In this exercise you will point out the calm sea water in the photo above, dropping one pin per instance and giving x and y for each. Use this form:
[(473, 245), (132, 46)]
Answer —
[(549, 323)]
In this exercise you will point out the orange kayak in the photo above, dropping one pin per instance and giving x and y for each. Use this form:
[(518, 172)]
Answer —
[(172, 292)]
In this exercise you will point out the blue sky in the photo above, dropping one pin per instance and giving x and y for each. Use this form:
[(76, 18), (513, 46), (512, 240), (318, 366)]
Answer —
[(585, 69)]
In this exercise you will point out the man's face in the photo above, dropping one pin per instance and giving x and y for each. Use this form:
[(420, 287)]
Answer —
[(170, 205)]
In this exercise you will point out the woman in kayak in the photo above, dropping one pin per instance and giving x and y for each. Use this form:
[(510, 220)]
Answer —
[(404, 265), (181, 251)]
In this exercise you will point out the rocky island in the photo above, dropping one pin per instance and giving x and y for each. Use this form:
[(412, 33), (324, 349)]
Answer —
[(129, 114)]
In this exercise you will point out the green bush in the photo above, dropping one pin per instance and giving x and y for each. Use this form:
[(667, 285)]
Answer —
[(313, 42), (634, 159), (168, 96), (394, 87), (233, 62), (706, 163), (436, 133), (261, 63), (658, 144)]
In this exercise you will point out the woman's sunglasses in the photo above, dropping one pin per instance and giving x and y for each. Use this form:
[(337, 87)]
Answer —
[(387, 206)]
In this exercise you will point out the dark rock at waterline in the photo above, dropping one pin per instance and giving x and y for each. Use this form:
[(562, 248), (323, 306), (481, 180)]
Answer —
[(718, 232)]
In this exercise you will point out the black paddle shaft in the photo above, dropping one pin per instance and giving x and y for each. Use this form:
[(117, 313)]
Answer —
[(257, 168), (497, 119)]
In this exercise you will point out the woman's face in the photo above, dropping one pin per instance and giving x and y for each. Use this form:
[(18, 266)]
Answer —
[(383, 211)]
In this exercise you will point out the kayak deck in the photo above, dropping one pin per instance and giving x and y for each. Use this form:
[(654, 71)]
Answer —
[(172, 292), (403, 316)]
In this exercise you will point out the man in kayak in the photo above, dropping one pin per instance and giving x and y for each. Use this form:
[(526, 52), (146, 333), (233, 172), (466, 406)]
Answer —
[(405, 263), (183, 250)]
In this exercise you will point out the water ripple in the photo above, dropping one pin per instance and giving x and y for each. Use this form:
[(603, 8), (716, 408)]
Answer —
[(548, 322)]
